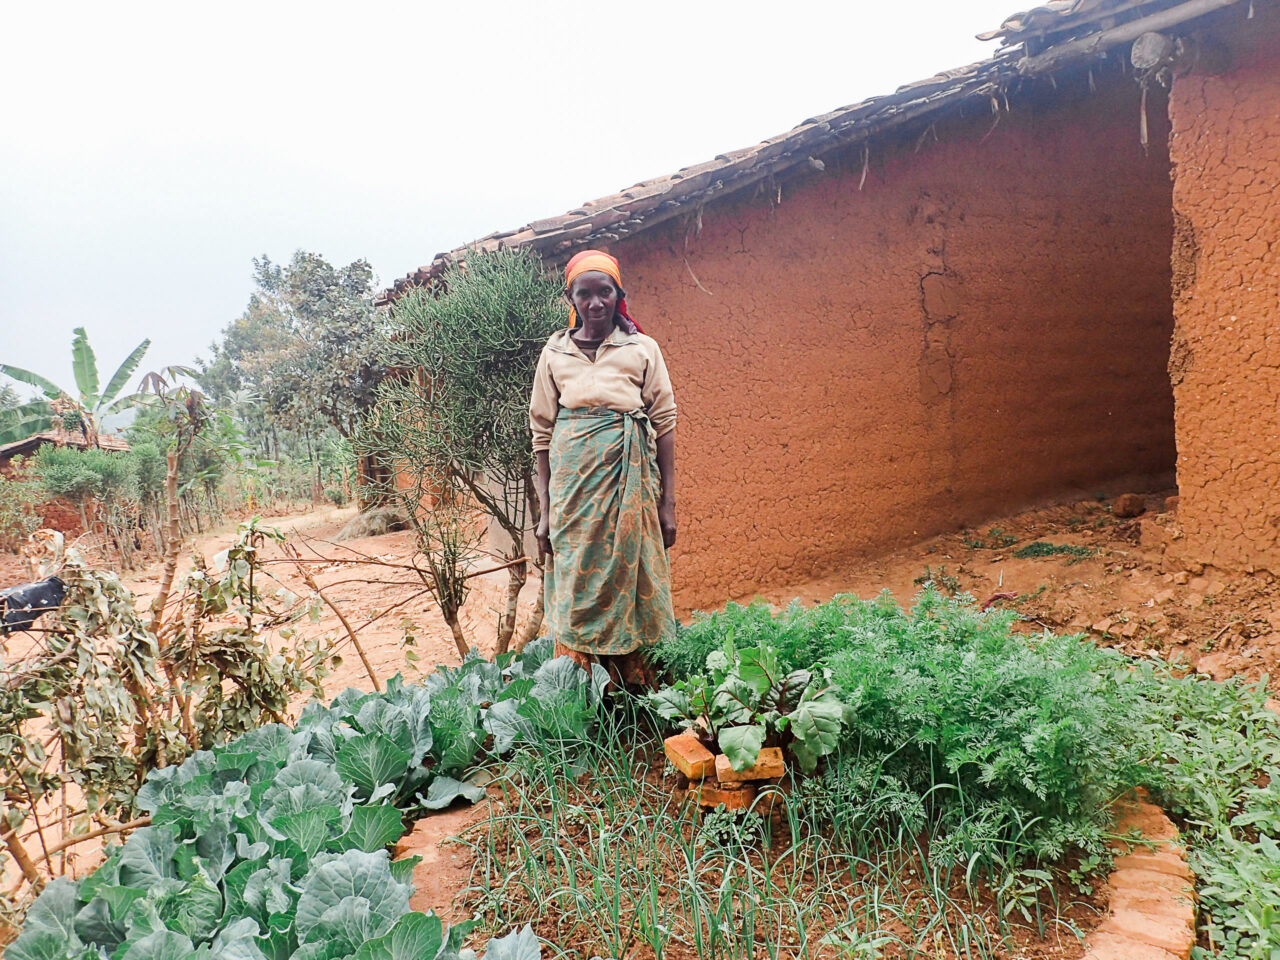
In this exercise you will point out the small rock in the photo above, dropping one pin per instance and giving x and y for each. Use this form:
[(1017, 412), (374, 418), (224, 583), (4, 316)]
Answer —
[(1170, 504), (1129, 505), (1199, 585), (1214, 665), (1129, 630), (1102, 626), (1195, 569), (1214, 588), (1164, 596), (1192, 600), (1182, 577)]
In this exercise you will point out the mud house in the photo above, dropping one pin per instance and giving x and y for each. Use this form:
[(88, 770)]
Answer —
[(1049, 274)]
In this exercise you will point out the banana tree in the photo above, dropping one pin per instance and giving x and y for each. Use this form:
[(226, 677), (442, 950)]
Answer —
[(89, 402)]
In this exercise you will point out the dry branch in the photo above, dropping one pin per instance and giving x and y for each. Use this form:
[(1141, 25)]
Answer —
[(310, 581)]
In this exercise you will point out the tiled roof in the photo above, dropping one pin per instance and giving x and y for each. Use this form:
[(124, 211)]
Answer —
[(1041, 25), (1057, 26), (62, 438)]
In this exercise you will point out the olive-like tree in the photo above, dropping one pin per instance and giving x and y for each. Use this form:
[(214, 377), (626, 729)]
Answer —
[(455, 417)]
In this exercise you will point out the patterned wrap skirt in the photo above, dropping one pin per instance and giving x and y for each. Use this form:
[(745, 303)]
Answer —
[(608, 589)]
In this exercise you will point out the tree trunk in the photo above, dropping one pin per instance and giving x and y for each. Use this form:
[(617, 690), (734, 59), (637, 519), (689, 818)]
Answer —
[(534, 625), (459, 640), (507, 626), (173, 541)]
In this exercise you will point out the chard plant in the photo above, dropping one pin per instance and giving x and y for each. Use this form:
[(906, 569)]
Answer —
[(744, 700)]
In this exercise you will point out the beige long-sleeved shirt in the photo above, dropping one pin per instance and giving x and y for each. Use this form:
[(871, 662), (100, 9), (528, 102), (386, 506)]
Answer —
[(627, 374)]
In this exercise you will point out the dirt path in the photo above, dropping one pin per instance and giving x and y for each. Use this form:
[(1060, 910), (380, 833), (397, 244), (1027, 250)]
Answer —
[(384, 605)]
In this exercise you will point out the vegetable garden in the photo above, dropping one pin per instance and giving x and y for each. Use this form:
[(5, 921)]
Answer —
[(947, 792)]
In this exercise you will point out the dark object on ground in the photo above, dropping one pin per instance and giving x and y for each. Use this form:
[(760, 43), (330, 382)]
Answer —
[(21, 606), (373, 523), (1129, 505)]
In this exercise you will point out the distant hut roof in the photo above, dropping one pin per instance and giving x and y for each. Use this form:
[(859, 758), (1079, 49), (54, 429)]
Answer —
[(1035, 42), (61, 438)]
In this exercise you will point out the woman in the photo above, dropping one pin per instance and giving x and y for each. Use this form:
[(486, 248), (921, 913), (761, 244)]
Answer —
[(603, 419)]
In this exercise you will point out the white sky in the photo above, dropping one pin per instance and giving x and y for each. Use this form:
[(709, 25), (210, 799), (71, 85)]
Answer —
[(149, 150)]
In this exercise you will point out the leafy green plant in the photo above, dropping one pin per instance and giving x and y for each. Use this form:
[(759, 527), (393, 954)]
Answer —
[(275, 844), (744, 699), (257, 849), (20, 496), (940, 580), (726, 830), (1218, 748), (1013, 747)]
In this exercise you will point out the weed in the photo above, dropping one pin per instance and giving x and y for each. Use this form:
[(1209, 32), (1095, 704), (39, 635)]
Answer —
[(939, 579), (996, 539), (732, 832), (1042, 548), (1033, 595)]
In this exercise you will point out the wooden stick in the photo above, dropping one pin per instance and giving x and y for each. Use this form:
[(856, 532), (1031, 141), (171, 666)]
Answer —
[(21, 858), (1083, 46), (94, 834), (310, 581)]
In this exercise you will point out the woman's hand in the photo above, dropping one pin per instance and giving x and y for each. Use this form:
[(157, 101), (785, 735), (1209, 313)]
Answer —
[(542, 486), (543, 536), (667, 521)]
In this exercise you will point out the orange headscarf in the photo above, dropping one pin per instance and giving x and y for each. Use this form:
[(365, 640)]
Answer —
[(587, 261)]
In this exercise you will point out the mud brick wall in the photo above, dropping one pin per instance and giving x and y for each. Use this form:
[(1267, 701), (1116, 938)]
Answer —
[(1225, 366), (984, 325)]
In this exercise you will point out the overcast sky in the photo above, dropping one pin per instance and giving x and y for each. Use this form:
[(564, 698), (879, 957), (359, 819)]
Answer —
[(149, 151)]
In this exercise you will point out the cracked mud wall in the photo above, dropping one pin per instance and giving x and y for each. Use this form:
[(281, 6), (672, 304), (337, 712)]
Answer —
[(1225, 364), (983, 326)]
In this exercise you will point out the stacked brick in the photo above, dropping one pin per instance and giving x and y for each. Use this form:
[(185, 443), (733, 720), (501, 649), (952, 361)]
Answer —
[(712, 779)]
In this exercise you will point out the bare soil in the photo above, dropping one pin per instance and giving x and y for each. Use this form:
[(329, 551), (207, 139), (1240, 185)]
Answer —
[(1128, 594)]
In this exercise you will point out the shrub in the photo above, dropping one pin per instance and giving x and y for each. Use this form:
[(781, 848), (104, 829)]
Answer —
[(19, 497)]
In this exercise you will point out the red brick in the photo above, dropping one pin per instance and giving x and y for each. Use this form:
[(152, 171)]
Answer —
[(1158, 930), (1157, 861), (1157, 895), (734, 797), (768, 766), (1108, 945), (689, 756), (1145, 817)]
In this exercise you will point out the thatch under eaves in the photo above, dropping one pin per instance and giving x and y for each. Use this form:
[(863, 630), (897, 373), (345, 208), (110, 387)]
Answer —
[(1034, 43)]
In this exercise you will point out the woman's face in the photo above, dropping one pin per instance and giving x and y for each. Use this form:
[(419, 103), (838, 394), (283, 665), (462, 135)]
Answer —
[(594, 296)]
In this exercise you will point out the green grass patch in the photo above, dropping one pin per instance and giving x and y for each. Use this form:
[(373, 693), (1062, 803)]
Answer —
[(1042, 548)]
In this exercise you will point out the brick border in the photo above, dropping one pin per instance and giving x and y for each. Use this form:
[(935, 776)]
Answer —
[(1153, 900)]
